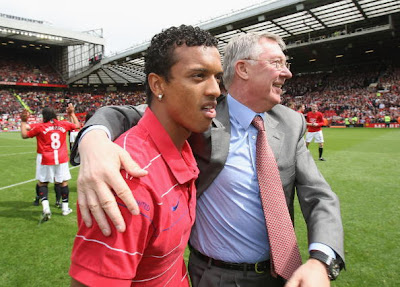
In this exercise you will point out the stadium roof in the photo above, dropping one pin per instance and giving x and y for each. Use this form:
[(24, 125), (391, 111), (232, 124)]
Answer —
[(42, 33), (303, 24)]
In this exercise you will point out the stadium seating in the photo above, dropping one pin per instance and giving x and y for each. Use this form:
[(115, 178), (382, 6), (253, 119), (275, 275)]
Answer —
[(36, 99), (22, 68), (347, 93), (363, 92)]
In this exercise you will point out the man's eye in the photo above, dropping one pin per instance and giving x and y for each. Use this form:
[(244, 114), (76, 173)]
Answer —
[(198, 76)]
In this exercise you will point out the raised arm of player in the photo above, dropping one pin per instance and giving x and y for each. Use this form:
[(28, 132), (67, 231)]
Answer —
[(24, 125), (72, 117)]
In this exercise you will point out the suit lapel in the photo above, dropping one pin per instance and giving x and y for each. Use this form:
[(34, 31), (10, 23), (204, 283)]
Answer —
[(274, 136), (220, 132)]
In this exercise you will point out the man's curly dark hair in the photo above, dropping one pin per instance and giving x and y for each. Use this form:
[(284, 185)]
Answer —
[(159, 56)]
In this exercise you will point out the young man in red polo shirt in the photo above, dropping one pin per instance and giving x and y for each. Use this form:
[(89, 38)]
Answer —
[(315, 121), (52, 155), (183, 68)]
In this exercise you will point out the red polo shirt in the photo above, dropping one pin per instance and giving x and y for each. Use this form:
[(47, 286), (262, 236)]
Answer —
[(150, 251)]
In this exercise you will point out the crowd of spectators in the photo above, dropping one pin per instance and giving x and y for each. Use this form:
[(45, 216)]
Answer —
[(15, 69), (35, 99), (363, 95), (8, 103)]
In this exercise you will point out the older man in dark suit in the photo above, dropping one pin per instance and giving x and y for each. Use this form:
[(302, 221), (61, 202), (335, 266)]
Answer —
[(230, 242)]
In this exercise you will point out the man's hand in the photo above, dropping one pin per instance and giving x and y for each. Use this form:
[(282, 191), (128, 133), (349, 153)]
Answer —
[(101, 161), (24, 116), (313, 273)]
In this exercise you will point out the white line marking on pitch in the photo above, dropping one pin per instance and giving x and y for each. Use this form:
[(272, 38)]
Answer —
[(19, 183), (17, 153), (12, 146)]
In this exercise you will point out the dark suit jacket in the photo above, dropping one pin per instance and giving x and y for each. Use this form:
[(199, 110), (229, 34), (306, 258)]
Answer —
[(285, 131)]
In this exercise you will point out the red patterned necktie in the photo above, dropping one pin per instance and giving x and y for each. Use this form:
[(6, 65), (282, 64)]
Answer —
[(285, 255)]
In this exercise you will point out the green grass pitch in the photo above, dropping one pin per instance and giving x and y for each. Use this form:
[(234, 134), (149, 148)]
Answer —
[(363, 168)]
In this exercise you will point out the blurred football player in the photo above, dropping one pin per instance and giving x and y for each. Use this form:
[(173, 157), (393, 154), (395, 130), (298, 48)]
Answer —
[(52, 155)]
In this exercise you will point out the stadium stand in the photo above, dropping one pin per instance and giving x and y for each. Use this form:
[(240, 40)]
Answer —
[(20, 67), (37, 99), (343, 55), (346, 94)]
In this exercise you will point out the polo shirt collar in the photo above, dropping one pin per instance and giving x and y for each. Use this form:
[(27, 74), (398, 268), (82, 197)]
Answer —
[(182, 165)]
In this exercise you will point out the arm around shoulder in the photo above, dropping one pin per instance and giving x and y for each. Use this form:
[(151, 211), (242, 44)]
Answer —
[(115, 120), (101, 161)]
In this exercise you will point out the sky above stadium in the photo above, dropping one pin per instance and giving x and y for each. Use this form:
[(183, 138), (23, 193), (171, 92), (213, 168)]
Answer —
[(124, 23)]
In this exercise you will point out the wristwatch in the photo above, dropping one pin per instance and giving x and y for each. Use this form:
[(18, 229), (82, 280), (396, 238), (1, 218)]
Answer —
[(332, 264)]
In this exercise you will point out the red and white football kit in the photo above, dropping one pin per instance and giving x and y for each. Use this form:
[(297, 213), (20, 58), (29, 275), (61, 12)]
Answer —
[(316, 117), (150, 251), (51, 140), (315, 132)]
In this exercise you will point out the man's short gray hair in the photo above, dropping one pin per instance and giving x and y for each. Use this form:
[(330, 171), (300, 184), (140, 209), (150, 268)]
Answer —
[(244, 46)]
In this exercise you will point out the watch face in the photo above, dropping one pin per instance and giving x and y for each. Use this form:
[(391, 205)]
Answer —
[(334, 270)]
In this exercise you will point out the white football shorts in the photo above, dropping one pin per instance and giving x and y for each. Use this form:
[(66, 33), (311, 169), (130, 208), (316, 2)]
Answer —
[(52, 173), (317, 136), (72, 136)]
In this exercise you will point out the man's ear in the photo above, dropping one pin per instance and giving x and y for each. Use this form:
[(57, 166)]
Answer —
[(156, 84), (241, 68)]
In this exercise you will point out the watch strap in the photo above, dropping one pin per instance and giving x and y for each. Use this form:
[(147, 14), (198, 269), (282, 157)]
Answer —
[(332, 265)]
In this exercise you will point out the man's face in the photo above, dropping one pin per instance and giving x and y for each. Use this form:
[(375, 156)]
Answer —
[(265, 79), (191, 92), (314, 108)]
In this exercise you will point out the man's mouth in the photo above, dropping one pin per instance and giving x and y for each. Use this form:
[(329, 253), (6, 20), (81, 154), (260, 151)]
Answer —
[(209, 110)]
